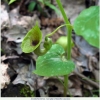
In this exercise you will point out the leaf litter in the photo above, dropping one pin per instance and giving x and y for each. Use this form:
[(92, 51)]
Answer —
[(15, 26)]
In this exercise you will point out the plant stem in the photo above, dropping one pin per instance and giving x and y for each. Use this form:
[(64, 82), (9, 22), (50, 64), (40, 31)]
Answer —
[(68, 28), (60, 81), (69, 31), (50, 34), (65, 84)]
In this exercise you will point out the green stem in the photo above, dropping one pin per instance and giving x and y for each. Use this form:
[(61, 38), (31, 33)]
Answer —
[(68, 28), (46, 46), (60, 81), (65, 84), (50, 34), (39, 52), (69, 31)]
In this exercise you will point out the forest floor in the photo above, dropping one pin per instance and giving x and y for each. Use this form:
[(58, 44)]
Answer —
[(16, 66)]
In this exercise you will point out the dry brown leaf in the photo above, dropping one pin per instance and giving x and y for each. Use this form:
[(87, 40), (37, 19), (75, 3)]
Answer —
[(14, 16), (75, 88), (93, 63), (5, 79), (16, 34), (28, 22), (75, 81), (86, 86), (85, 48), (42, 93), (26, 76), (55, 86), (4, 16), (53, 22), (76, 92), (75, 52)]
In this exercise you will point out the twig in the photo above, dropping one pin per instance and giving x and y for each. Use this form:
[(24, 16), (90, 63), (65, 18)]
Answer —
[(20, 4), (87, 79)]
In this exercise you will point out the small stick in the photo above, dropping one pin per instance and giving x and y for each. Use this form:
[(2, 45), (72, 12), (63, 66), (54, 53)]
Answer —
[(87, 79)]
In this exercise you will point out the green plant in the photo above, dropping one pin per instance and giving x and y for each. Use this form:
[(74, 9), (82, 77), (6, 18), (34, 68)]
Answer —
[(96, 93), (32, 5), (49, 4), (87, 25), (54, 59), (41, 4), (11, 1), (25, 91), (35, 3), (61, 41)]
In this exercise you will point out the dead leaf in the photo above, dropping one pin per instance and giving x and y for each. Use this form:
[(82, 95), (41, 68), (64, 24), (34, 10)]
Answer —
[(53, 22), (18, 48), (4, 16), (28, 22), (82, 63), (16, 34), (5, 79), (55, 87), (42, 93), (26, 76), (75, 52), (75, 90), (86, 86), (84, 47), (14, 15), (93, 63)]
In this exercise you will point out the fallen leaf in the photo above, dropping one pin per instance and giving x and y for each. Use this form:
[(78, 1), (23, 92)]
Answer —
[(14, 15), (84, 47), (26, 76), (5, 79), (4, 16), (55, 87), (54, 22), (18, 48), (16, 34), (28, 22), (75, 90)]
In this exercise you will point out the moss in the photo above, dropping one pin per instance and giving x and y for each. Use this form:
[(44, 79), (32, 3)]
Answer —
[(25, 91)]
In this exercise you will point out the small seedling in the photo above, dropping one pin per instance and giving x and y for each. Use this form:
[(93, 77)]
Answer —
[(55, 59), (25, 91), (35, 3), (49, 4), (11, 1)]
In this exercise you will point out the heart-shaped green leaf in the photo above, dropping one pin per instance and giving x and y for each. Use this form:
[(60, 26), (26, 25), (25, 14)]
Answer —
[(87, 25), (32, 40), (53, 63)]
